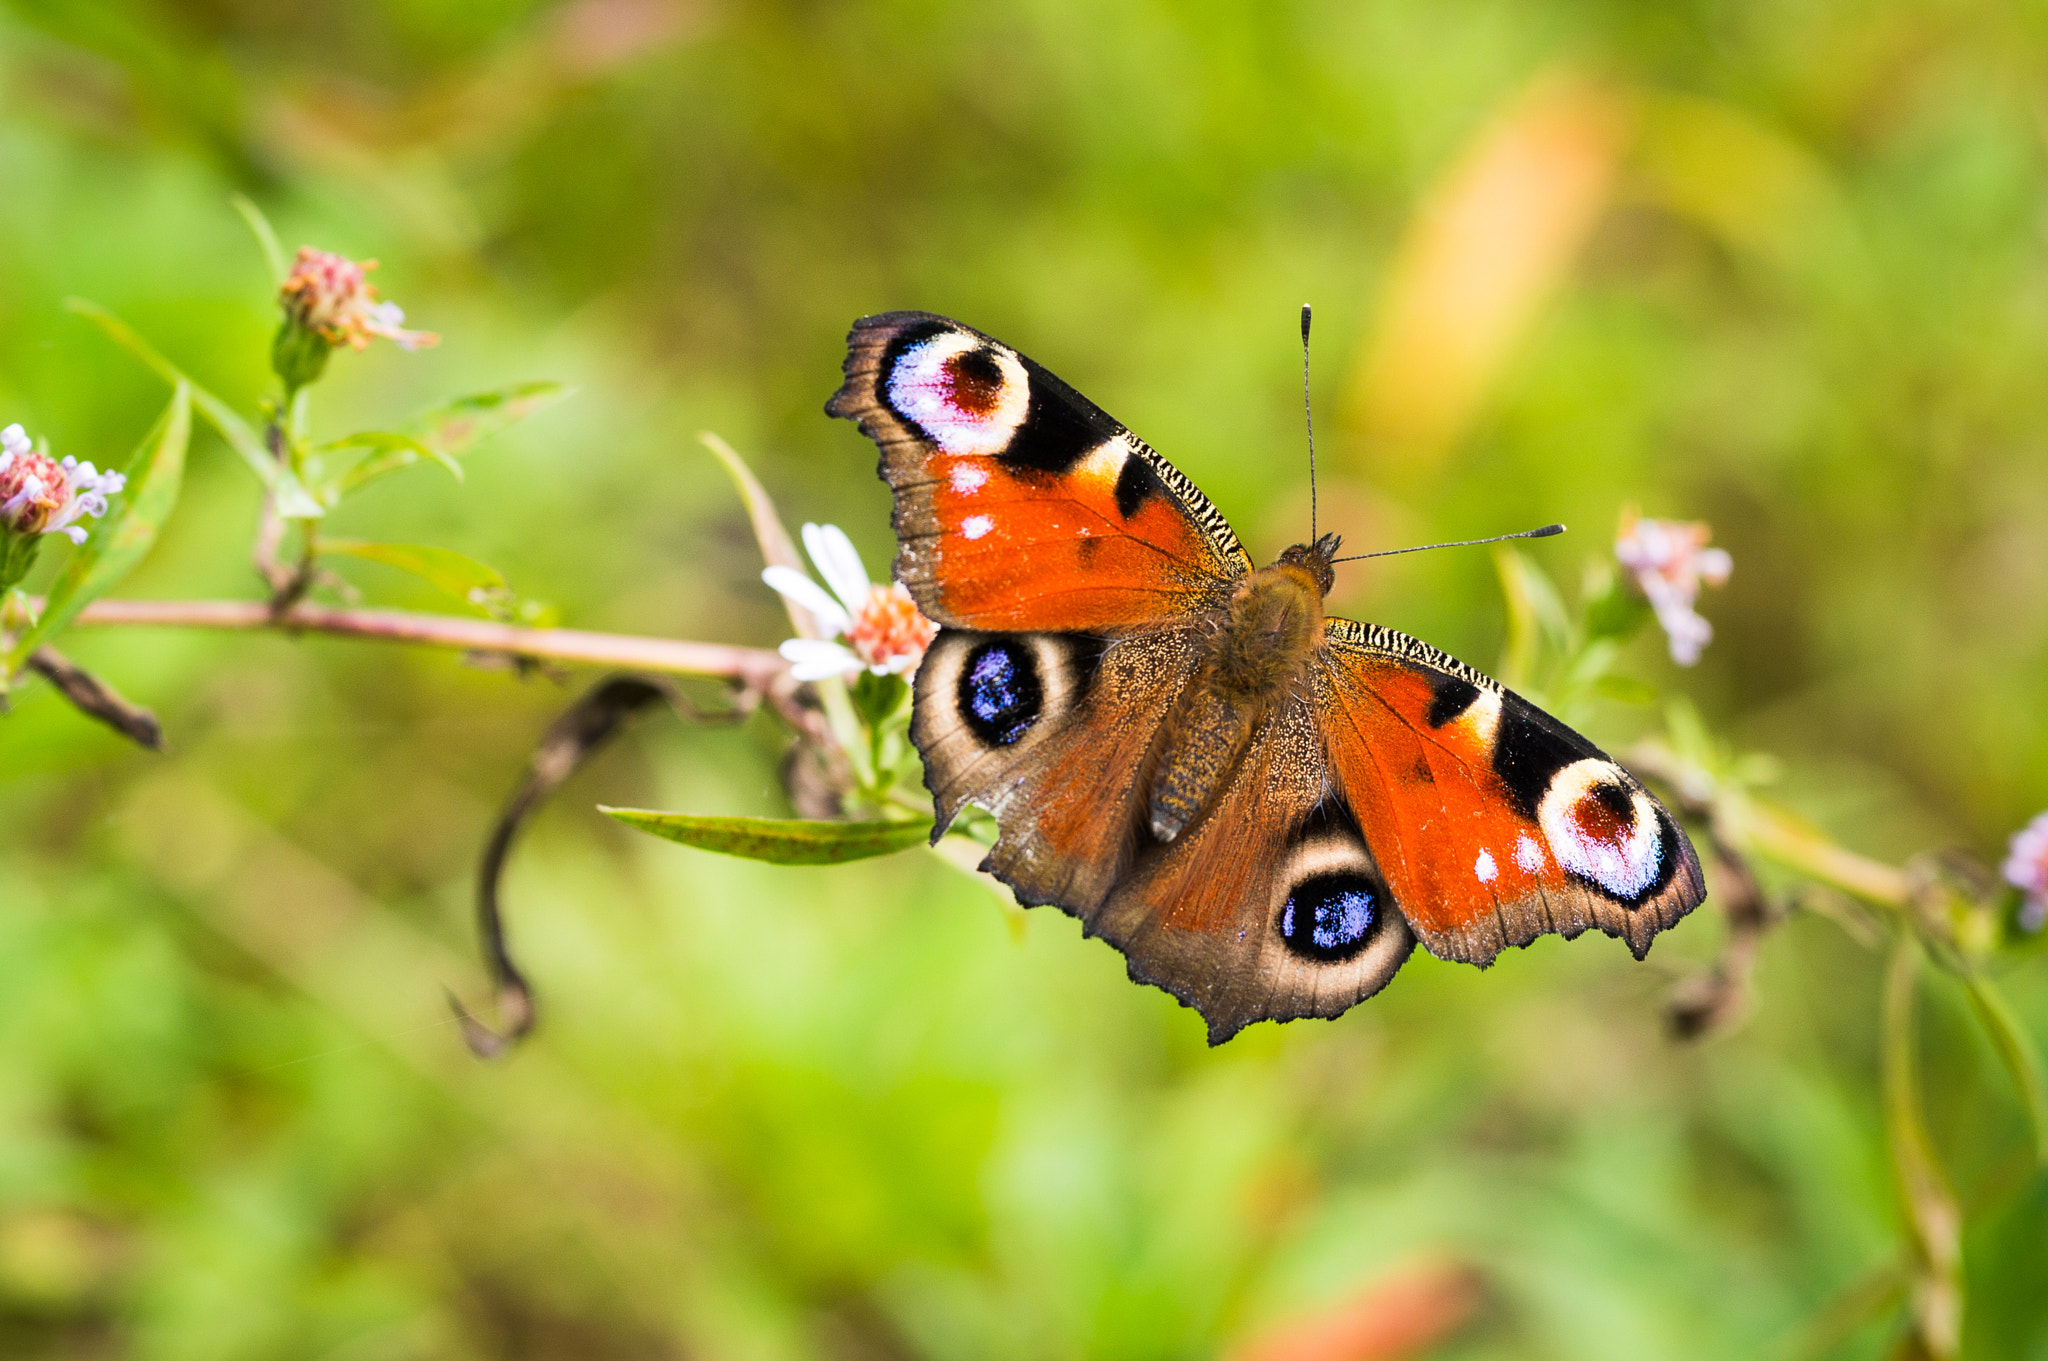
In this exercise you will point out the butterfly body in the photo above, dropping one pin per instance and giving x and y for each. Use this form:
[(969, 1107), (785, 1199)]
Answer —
[(1262, 806)]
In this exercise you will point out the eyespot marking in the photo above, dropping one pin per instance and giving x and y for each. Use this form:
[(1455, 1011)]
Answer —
[(1001, 694), (1607, 832), (966, 396), (1330, 917), (1528, 855)]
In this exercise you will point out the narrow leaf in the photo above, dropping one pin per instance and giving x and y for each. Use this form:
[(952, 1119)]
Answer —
[(459, 575), (777, 549), (259, 227), (400, 449), (446, 432), (115, 545), (2016, 1048), (780, 841), (222, 417), (457, 425)]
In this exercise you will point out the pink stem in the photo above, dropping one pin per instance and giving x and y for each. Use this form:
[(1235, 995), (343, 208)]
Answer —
[(755, 666)]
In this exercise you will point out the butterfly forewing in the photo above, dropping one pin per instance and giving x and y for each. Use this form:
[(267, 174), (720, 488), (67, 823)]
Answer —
[(1020, 505), (1494, 822)]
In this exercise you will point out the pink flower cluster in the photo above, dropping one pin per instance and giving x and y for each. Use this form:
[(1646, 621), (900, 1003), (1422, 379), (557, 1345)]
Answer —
[(39, 495), (1670, 561), (328, 295), (2026, 869)]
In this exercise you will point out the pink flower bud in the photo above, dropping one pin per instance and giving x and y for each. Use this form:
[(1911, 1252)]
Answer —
[(328, 296)]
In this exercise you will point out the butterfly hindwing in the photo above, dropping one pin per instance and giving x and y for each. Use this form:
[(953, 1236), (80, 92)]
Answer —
[(1053, 734), (1020, 505), (1493, 822), (1269, 906)]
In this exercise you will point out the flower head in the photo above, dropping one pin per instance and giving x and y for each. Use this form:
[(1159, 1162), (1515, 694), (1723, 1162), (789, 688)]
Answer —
[(881, 626), (1670, 560), (327, 304), (2026, 869), (39, 495)]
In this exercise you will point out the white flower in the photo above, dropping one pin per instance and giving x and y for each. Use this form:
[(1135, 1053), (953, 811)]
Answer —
[(881, 625), (2026, 869), (1670, 560), (38, 495)]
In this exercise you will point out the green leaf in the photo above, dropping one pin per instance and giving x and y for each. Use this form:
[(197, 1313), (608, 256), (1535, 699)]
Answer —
[(448, 431), (459, 575), (259, 227), (222, 417), (877, 698), (390, 450), (115, 545), (2016, 1049), (780, 841)]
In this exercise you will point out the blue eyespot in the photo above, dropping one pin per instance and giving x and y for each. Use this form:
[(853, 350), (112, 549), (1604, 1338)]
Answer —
[(1000, 695), (1331, 916)]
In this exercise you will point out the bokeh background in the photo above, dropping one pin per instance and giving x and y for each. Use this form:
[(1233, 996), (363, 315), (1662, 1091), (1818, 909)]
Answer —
[(1777, 264)]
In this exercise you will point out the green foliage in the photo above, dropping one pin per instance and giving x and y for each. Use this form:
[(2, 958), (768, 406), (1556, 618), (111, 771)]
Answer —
[(781, 1112), (779, 841)]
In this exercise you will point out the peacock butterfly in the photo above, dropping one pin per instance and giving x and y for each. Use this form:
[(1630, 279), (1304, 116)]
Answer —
[(1263, 807)]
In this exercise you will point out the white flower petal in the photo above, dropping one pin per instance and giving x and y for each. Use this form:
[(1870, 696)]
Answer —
[(839, 563), (831, 619), (815, 659)]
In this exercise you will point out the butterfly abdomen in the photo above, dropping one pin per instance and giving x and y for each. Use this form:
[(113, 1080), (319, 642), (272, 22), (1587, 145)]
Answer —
[(1262, 644)]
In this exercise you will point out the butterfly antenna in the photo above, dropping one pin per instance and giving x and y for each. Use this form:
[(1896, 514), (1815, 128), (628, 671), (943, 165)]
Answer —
[(1308, 415), (1543, 533)]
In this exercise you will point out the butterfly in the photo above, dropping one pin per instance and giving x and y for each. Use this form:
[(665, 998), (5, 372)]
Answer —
[(1262, 806)]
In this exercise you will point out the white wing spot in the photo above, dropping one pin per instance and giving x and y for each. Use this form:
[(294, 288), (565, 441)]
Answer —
[(968, 479), (1528, 854), (974, 526), (1485, 868)]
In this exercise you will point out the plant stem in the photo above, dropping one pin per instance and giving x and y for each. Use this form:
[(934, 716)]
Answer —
[(671, 656)]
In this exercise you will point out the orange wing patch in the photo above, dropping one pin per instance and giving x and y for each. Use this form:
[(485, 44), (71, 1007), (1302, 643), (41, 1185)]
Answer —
[(1020, 505), (1492, 822)]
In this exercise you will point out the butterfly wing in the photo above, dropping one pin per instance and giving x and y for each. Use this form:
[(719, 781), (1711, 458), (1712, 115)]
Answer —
[(1492, 822), (1020, 505), (1268, 906)]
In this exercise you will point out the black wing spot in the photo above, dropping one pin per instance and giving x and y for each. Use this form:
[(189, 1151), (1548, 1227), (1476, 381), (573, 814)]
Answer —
[(1420, 773), (1529, 750), (1453, 697), (1060, 428), (1001, 695), (1136, 485), (1331, 917)]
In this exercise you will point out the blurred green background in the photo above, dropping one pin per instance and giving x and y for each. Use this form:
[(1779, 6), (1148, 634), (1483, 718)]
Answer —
[(1777, 264)]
